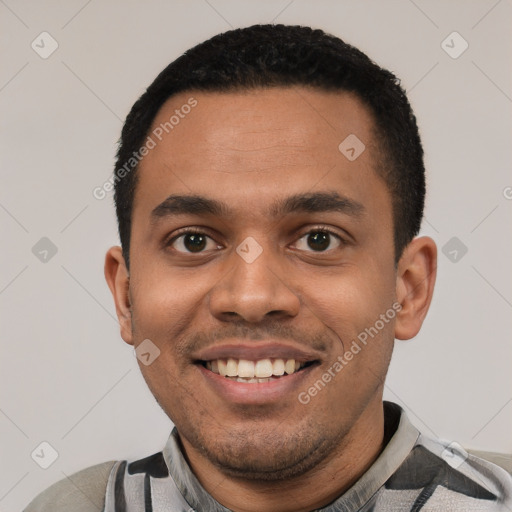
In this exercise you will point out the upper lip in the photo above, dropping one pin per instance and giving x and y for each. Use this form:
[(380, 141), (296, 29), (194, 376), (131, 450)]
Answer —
[(256, 350)]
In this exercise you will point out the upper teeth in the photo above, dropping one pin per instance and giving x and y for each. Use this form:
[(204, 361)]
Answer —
[(253, 369)]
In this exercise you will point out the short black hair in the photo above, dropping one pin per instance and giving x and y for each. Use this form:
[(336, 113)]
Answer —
[(283, 55)]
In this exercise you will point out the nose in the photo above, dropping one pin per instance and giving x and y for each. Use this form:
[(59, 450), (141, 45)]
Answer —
[(253, 288)]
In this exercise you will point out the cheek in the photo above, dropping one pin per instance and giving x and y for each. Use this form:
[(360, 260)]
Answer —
[(357, 366), (350, 305), (164, 311), (161, 313), (349, 300), (163, 302)]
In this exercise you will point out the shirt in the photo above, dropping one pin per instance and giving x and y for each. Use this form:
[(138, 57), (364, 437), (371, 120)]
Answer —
[(413, 473)]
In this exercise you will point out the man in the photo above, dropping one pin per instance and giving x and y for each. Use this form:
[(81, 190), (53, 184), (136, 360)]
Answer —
[(269, 189)]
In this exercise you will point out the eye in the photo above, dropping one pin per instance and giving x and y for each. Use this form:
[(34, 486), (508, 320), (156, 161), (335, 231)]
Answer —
[(319, 240), (192, 241)]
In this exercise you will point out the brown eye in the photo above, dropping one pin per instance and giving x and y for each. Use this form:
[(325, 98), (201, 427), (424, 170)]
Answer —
[(318, 241), (192, 242)]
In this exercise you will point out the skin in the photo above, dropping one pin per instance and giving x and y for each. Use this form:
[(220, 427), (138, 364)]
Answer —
[(249, 150)]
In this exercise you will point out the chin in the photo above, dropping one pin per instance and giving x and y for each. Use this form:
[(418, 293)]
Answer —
[(264, 454)]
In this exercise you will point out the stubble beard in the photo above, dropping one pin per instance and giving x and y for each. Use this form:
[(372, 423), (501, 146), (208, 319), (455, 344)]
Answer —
[(259, 454)]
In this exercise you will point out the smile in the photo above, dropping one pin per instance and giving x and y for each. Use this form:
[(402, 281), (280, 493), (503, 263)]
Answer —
[(251, 372)]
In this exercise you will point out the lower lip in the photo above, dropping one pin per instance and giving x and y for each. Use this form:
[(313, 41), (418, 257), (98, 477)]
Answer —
[(257, 392)]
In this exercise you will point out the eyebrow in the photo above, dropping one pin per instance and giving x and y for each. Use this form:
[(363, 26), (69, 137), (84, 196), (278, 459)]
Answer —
[(299, 203)]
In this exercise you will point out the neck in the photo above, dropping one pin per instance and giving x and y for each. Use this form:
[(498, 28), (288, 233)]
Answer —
[(323, 484)]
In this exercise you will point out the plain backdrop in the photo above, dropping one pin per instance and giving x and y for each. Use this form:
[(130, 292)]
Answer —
[(68, 379)]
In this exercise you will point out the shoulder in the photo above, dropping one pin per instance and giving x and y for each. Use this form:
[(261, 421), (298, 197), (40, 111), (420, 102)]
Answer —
[(444, 472), (83, 491)]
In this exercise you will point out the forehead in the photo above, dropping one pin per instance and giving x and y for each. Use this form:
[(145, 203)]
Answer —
[(247, 148)]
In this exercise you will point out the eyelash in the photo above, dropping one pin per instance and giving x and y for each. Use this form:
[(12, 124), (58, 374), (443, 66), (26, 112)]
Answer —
[(197, 231)]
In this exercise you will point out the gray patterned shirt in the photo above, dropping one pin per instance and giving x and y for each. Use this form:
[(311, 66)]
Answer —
[(413, 473)]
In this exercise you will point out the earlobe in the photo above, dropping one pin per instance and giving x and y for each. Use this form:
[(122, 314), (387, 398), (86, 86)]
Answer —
[(415, 285), (118, 280)]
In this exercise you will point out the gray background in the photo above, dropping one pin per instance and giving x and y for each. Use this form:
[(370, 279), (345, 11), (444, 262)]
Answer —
[(68, 378)]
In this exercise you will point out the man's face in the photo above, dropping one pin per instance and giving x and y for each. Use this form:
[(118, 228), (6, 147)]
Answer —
[(295, 265)]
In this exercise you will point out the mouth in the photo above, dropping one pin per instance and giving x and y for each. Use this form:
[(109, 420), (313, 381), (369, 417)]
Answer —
[(255, 372), (244, 374)]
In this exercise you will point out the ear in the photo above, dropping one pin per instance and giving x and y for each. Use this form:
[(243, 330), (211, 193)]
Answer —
[(416, 277), (118, 281)]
